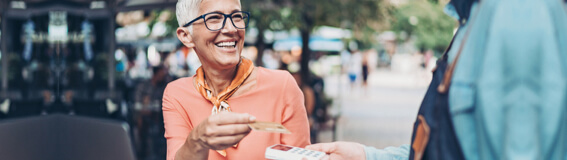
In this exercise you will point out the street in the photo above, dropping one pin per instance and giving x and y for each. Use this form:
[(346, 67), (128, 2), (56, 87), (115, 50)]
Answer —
[(384, 115)]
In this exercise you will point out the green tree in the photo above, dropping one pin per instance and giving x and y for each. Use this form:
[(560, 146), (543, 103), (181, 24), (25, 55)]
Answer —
[(426, 21), (363, 17)]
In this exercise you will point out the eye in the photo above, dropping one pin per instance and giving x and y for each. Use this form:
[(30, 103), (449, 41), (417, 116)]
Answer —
[(213, 17), (237, 16)]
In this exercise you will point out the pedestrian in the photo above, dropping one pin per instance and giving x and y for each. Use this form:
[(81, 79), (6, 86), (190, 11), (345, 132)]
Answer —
[(365, 70), (353, 65)]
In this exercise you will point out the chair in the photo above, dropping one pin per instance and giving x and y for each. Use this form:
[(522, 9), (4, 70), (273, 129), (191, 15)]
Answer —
[(65, 137)]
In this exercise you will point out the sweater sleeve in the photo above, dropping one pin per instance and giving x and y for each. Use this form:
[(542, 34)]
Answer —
[(401, 153), (294, 116), (176, 127)]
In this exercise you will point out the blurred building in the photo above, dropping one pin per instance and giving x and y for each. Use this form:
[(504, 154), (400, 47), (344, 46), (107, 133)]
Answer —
[(85, 58)]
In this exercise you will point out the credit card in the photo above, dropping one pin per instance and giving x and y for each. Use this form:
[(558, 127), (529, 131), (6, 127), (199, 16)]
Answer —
[(269, 127)]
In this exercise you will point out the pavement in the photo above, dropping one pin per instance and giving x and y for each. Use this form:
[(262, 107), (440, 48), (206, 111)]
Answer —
[(384, 113)]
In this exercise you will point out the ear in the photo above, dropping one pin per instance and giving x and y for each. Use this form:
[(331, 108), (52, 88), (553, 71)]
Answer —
[(184, 36)]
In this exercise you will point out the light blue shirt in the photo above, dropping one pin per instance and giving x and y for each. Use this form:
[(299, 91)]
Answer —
[(390, 153), (508, 92)]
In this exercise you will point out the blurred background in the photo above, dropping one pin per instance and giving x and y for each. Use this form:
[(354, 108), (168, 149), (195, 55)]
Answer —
[(363, 65)]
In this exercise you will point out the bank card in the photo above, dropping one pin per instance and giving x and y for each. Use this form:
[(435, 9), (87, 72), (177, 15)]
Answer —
[(269, 127)]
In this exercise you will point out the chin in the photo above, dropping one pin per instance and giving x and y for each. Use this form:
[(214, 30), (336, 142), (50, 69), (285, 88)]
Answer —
[(230, 61)]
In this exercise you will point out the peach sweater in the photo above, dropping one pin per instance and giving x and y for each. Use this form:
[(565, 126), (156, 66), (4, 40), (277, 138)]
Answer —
[(276, 98)]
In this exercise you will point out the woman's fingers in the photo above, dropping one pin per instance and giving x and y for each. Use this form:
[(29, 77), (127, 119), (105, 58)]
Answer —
[(227, 130), (233, 129), (228, 124), (223, 142), (232, 118)]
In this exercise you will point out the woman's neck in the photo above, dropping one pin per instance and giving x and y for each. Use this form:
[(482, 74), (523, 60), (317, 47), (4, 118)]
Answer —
[(219, 79)]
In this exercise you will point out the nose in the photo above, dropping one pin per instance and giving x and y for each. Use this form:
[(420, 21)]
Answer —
[(228, 26)]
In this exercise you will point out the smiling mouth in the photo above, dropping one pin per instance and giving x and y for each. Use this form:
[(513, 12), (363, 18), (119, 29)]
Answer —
[(226, 44)]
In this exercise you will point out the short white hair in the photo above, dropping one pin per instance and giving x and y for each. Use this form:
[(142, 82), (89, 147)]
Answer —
[(187, 10)]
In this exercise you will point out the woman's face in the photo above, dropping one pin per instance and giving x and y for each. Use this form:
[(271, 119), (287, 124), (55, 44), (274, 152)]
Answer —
[(218, 49)]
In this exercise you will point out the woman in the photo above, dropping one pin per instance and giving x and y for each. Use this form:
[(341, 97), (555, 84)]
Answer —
[(206, 115)]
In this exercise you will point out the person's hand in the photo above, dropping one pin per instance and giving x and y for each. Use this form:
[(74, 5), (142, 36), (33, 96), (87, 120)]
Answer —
[(221, 131), (325, 157), (340, 150)]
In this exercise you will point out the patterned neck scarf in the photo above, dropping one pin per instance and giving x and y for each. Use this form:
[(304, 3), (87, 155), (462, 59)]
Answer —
[(244, 69)]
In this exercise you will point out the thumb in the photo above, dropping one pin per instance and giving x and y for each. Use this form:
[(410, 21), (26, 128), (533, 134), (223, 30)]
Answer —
[(322, 147), (233, 118)]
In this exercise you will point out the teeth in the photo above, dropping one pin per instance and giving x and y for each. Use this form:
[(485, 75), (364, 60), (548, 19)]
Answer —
[(226, 44)]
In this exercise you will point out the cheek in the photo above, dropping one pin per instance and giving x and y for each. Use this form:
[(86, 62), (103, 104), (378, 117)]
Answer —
[(242, 34), (203, 42), (203, 35)]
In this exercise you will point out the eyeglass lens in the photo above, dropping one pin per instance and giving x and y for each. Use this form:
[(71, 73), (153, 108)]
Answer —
[(214, 21)]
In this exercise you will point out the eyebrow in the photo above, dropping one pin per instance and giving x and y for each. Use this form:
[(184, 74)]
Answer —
[(235, 10)]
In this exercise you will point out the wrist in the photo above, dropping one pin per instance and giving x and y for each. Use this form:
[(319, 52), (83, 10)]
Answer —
[(195, 144), (363, 148), (193, 149)]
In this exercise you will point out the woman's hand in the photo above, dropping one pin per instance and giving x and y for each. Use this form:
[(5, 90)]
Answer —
[(217, 132), (222, 130), (340, 150)]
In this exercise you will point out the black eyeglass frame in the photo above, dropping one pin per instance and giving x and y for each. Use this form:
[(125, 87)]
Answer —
[(247, 14)]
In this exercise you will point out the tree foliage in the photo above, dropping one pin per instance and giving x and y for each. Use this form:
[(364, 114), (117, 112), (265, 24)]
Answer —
[(363, 17), (426, 21)]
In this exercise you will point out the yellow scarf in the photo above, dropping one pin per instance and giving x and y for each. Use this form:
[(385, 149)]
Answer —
[(244, 69)]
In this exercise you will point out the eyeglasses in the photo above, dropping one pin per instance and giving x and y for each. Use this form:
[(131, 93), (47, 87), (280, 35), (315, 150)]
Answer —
[(215, 21)]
